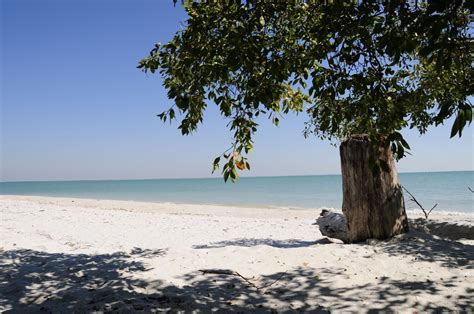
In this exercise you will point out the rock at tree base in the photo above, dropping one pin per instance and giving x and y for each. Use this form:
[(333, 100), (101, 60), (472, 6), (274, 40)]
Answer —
[(333, 225)]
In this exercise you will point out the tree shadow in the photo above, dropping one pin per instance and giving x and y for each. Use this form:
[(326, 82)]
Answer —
[(425, 247), (147, 253), (249, 242), (443, 229), (32, 281)]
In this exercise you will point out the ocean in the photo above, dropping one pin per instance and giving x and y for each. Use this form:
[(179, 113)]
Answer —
[(448, 189)]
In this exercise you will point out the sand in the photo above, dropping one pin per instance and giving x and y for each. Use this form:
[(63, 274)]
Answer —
[(62, 255)]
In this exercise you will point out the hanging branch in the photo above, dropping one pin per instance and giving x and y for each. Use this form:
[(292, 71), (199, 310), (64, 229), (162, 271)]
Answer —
[(413, 199)]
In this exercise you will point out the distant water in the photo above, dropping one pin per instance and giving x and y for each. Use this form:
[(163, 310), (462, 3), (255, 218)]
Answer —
[(448, 189)]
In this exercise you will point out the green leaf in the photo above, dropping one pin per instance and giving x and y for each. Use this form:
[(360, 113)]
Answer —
[(226, 176), (215, 164), (468, 113), (262, 21), (404, 143), (394, 148), (456, 126), (400, 152), (233, 175), (276, 121)]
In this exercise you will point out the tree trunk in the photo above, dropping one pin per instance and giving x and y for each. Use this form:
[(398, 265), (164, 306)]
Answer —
[(372, 201)]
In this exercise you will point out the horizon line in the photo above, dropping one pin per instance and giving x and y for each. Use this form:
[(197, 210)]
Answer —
[(217, 177)]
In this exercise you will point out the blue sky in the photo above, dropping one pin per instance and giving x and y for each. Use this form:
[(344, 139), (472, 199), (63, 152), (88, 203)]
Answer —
[(74, 106)]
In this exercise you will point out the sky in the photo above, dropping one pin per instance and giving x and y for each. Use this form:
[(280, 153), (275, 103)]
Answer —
[(75, 107)]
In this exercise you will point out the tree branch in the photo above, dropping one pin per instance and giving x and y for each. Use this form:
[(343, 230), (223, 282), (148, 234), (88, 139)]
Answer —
[(234, 273), (413, 199)]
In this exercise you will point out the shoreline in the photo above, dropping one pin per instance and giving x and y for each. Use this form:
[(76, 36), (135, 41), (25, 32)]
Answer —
[(413, 212), (163, 207), (82, 255)]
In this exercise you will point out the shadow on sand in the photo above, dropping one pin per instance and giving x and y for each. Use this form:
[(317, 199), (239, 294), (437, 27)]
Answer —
[(38, 281), (443, 229), (425, 247), (249, 242)]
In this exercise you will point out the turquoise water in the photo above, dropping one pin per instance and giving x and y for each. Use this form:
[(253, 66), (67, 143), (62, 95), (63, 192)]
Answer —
[(448, 189)]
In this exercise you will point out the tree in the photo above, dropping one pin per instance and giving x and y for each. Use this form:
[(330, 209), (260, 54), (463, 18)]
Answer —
[(361, 70)]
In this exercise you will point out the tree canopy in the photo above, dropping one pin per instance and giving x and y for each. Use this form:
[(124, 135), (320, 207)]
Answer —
[(359, 67)]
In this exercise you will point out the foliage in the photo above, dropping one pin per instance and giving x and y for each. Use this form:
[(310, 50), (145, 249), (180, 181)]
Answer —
[(354, 67)]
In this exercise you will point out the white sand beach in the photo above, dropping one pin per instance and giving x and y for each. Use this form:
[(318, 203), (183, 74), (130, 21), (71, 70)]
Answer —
[(59, 254)]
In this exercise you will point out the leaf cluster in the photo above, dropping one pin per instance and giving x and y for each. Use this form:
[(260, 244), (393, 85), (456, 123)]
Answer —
[(360, 67)]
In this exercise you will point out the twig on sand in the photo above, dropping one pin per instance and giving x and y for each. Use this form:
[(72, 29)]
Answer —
[(413, 199), (234, 273), (470, 189)]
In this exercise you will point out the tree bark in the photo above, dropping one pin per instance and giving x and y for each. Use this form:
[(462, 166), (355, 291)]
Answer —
[(372, 201)]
